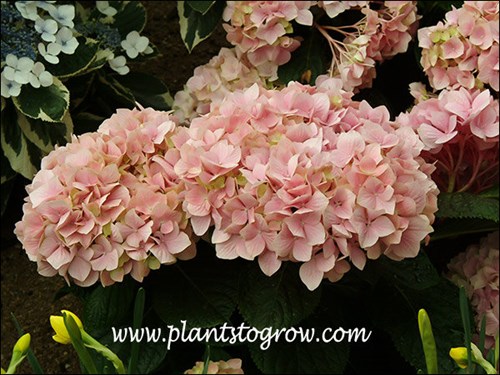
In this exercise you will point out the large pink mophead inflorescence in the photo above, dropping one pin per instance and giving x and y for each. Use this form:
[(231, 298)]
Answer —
[(476, 269), (460, 130), (307, 175), (462, 51), (107, 203)]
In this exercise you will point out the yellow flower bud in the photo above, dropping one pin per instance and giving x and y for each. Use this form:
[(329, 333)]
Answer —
[(23, 344), (57, 323), (459, 355)]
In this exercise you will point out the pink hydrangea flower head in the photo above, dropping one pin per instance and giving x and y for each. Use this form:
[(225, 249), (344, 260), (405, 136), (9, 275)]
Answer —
[(305, 174), (460, 130), (259, 30), (476, 269), (462, 51), (231, 366), (107, 203)]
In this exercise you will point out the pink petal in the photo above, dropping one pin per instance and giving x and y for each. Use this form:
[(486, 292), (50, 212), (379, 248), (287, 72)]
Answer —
[(310, 275)]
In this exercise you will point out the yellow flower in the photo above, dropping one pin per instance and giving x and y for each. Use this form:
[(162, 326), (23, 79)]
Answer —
[(459, 355), (57, 323), (23, 344)]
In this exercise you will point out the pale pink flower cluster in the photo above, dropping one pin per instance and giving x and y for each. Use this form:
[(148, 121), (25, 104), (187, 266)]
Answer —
[(378, 36), (107, 204), (476, 269), (305, 174), (460, 131), (258, 29), (212, 82), (463, 50), (231, 366)]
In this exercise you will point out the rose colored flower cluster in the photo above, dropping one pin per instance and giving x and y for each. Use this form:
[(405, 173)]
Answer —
[(305, 174), (460, 130), (463, 50), (107, 203), (476, 269), (378, 36), (232, 366), (212, 82), (258, 29)]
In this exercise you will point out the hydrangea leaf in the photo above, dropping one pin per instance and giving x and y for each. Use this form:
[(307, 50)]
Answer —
[(108, 306), (131, 17), (147, 90), (202, 291), (7, 172), (466, 205), (196, 27), (493, 192), (416, 273), (306, 63), (46, 135), (45, 103), (200, 6), (23, 156), (301, 358), (78, 62), (461, 227), (6, 187), (394, 308), (281, 300)]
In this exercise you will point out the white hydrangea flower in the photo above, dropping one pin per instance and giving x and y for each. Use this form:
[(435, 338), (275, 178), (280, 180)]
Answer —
[(47, 28), (67, 41), (64, 14), (50, 52), (40, 76), (105, 8), (134, 44), (28, 9), (10, 88), (118, 65), (18, 70)]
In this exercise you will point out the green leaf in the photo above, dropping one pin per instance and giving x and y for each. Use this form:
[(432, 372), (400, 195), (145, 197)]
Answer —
[(196, 27), (112, 94), (87, 122), (466, 321), (77, 342), (200, 6), (8, 173), (307, 62), (394, 308), (462, 227), (281, 300), (46, 135), (35, 365), (493, 192), (23, 156), (148, 90), (7, 188), (428, 342), (108, 306), (301, 358), (45, 103), (78, 62), (137, 323), (415, 273), (466, 205), (131, 17), (202, 291)]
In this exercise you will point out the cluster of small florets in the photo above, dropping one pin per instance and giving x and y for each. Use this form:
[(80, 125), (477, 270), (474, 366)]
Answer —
[(460, 130), (476, 269), (231, 366), (107, 204), (379, 35), (211, 83), (259, 30), (36, 33), (305, 175), (462, 51)]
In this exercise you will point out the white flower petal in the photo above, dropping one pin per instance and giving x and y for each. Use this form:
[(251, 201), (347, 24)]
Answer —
[(141, 44), (8, 73), (46, 79), (11, 60), (25, 64), (54, 49)]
